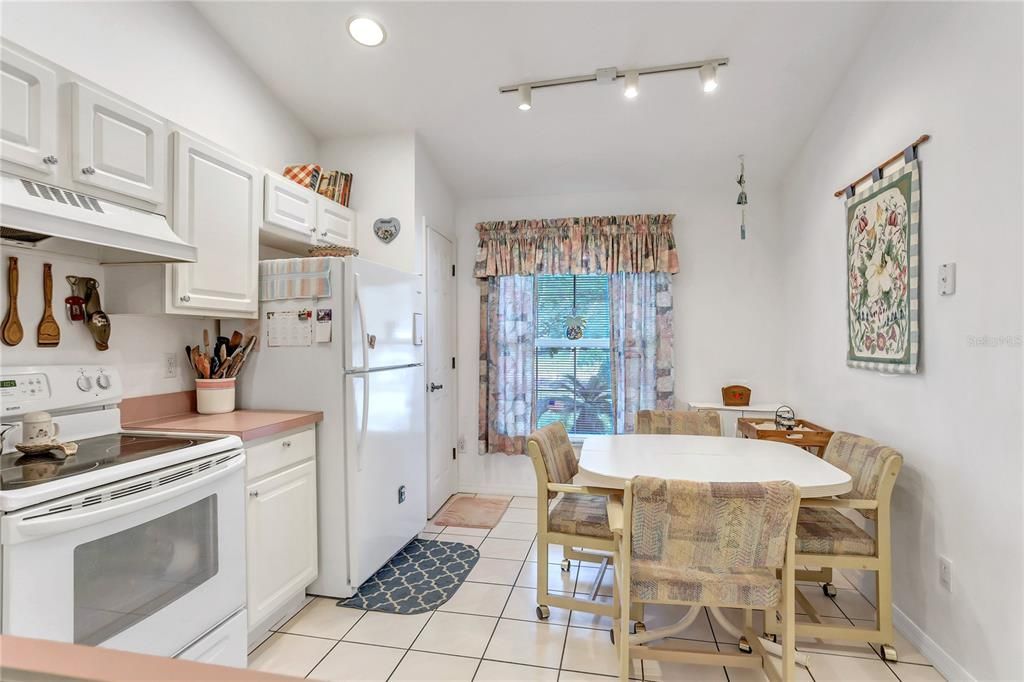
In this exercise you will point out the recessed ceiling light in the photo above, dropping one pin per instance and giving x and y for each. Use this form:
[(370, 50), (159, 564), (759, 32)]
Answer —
[(366, 31)]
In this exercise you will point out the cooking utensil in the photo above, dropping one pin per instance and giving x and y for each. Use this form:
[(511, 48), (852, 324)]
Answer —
[(236, 341), (48, 332), (91, 294), (206, 341), (203, 366), (12, 330), (99, 326), (237, 365)]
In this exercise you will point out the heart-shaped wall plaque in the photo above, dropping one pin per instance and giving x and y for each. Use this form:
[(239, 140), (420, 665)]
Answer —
[(386, 229)]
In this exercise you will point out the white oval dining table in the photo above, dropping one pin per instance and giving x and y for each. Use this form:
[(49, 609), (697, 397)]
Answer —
[(609, 461)]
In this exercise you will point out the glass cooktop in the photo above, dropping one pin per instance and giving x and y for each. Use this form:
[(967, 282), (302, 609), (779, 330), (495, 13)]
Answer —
[(19, 470)]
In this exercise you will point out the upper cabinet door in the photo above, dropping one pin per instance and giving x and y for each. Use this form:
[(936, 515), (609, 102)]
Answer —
[(117, 147), (336, 224), (28, 119), (216, 208), (289, 205)]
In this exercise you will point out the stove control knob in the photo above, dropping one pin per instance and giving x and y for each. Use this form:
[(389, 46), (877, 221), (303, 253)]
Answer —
[(103, 381), (84, 383)]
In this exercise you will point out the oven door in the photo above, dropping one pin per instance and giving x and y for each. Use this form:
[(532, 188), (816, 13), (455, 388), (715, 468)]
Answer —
[(148, 564)]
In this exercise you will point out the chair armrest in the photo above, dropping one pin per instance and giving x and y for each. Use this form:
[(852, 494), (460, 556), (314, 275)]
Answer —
[(583, 489), (615, 519), (840, 503)]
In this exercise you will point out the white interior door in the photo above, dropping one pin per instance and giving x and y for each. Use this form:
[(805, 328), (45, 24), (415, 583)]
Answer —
[(442, 469)]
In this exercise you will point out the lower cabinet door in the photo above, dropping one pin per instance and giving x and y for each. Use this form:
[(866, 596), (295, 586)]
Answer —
[(281, 552)]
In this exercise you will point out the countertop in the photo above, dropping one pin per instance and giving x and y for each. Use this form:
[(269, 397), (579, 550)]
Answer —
[(248, 425), (40, 660)]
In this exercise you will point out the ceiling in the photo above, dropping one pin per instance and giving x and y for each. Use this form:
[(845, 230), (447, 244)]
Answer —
[(439, 70)]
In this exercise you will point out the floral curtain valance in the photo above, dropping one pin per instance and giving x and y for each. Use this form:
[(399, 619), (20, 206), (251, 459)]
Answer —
[(577, 246)]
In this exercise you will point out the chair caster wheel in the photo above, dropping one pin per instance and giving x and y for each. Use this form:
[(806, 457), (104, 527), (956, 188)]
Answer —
[(744, 645), (830, 590), (774, 638), (543, 612), (889, 653), (566, 565), (639, 627)]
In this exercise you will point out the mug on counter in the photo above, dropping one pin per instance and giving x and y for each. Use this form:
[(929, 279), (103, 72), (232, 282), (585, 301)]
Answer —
[(38, 428)]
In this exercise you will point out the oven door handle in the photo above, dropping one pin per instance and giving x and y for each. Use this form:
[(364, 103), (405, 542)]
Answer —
[(62, 522)]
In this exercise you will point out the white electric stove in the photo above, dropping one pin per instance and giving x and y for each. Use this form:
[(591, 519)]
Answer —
[(135, 542)]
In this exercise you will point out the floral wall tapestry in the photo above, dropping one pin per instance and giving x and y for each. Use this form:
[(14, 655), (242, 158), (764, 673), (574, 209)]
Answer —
[(882, 247)]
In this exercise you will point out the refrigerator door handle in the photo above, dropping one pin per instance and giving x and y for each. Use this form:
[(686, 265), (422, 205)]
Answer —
[(362, 323), (363, 425)]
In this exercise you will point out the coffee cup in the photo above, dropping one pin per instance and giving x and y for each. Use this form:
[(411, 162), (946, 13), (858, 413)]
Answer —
[(38, 428)]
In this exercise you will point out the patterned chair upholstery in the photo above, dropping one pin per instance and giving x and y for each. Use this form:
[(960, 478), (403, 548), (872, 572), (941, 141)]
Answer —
[(577, 514), (693, 423), (826, 531), (557, 455), (864, 460), (712, 543)]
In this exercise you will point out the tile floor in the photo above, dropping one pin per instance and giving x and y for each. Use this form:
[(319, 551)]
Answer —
[(489, 630)]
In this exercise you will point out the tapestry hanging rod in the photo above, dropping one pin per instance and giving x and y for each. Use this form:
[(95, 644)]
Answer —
[(876, 173), (612, 73)]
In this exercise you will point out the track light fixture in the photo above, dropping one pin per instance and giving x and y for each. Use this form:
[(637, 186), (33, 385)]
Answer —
[(525, 98), (709, 77), (707, 68), (632, 85)]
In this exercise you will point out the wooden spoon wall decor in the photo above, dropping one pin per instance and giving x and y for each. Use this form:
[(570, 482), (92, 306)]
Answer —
[(48, 332), (12, 329)]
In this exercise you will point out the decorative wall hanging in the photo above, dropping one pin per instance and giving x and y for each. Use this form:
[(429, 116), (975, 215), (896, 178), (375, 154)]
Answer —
[(386, 229), (741, 200), (882, 247)]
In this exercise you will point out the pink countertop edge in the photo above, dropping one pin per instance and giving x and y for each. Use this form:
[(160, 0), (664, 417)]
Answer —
[(63, 661), (248, 425)]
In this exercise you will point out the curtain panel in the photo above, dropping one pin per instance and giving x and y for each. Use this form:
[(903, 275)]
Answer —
[(578, 246), (641, 345), (507, 333)]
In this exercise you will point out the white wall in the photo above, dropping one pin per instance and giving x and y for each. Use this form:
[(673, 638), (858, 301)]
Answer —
[(164, 57), (433, 202), (383, 168), (728, 328), (953, 71)]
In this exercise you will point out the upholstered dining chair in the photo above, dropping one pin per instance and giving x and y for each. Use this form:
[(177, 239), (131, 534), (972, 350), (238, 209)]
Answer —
[(827, 539), (706, 544), (687, 423), (577, 519)]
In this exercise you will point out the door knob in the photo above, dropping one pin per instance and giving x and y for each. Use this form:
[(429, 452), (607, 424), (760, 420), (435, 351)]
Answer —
[(435, 387)]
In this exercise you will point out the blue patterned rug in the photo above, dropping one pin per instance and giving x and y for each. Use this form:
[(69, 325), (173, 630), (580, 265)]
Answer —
[(421, 577)]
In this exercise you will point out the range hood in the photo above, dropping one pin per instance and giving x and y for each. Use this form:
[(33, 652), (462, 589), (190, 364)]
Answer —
[(33, 212)]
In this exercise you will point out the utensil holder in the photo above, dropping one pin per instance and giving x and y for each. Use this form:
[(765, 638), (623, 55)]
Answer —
[(215, 396)]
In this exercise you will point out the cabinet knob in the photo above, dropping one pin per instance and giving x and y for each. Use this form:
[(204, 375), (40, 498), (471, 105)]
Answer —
[(312, 230), (254, 493), (50, 160), (323, 234), (186, 298), (88, 170), (286, 444)]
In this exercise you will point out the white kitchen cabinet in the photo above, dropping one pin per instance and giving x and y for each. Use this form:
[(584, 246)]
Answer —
[(116, 146), (216, 207), (290, 206), (28, 119), (281, 526), (335, 224)]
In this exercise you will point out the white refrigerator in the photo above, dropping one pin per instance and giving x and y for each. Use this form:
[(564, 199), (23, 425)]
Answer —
[(366, 376)]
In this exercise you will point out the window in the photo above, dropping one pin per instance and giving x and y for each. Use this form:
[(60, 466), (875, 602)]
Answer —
[(573, 382)]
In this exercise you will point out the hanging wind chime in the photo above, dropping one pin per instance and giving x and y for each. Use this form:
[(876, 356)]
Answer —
[(741, 200)]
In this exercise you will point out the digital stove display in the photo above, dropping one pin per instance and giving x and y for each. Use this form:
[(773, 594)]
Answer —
[(19, 470)]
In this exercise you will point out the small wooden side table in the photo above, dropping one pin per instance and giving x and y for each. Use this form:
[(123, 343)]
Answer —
[(806, 435)]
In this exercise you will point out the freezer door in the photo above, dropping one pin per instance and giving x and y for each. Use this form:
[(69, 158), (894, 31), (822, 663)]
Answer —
[(380, 304), (385, 430)]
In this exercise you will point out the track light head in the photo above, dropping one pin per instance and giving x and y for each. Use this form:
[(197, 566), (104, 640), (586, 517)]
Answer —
[(632, 85), (709, 77), (525, 98)]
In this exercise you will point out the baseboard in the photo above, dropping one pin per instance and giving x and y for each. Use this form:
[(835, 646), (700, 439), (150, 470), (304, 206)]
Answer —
[(935, 654), (522, 491)]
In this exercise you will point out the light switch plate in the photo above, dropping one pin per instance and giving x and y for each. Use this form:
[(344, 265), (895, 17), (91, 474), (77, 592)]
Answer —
[(947, 279)]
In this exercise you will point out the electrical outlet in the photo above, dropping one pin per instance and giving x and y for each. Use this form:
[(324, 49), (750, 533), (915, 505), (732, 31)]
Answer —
[(946, 573), (170, 365)]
